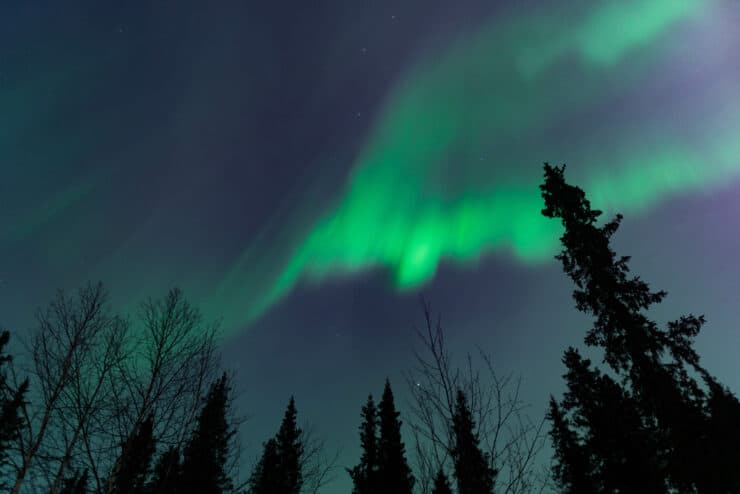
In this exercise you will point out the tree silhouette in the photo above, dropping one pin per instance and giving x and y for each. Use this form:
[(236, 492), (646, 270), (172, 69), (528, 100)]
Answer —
[(394, 473), (441, 483), (473, 472), (365, 474), (204, 469), (76, 347), (134, 462), (290, 451), (279, 470), (504, 428), (266, 477), (166, 473), (11, 401), (96, 381), (646, 424)]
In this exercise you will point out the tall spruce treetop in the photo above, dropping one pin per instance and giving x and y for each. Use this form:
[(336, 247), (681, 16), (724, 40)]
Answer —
[(365, 474), (267, 476), (394, 473), (280, 469), (647, 425), (441, 483), (207, 451), (290, 451), (135, 460), (473, 472), (11, 401), (166, 473)]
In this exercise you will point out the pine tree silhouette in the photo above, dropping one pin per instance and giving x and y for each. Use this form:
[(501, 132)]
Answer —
[(573, 470), (473, 472), (11, 401), (75, 484), (206, 453), (647, 425), (441, 483), (365, 474), (279, 471), (135, 460), (166, 474), (393, 470), (266, 477), (290, 451)]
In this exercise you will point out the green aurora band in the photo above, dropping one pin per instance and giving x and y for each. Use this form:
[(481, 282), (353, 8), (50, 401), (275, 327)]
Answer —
[(451, 168)]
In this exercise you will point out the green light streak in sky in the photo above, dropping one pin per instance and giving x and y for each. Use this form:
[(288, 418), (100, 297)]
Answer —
[(451, 168)]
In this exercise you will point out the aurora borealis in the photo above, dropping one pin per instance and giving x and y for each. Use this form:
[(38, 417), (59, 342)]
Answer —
[(305, 175), (446, 170)]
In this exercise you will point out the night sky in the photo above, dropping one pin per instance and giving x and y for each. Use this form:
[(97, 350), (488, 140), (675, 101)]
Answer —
[(306, 171)]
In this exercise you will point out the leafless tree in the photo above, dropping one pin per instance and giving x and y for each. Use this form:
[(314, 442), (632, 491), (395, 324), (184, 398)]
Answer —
[(317, 464), (172, 360), (97, 377), (511, 438), (76, 346)]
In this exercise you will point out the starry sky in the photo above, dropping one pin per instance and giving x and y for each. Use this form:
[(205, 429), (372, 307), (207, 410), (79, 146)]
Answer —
[(307, 171)]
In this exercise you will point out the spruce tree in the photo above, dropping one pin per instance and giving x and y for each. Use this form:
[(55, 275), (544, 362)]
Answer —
[(473, 472), (206, 453), (441, 483), (266, 477), (11, 401), (645, 424), (135, 460), (365, 474), (290, 451), (393, 470), (166, 473), (279, 470)]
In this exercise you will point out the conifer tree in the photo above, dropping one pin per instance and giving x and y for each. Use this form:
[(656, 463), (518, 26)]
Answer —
[(393, 470), (473, 472), (645, 425), (266, 477), (166, 474), (441, 483), (11, 401), (365, 474), (135, 460), (279, 470), (206, 453), (290, 451)]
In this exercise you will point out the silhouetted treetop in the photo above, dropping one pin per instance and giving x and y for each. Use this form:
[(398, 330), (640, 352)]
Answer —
[(473, 472), (645, 425), (204, 466), (441, 483), (280, 469), (11, 401), (135, 461), (394, 473), (166, 473), (365, 474)]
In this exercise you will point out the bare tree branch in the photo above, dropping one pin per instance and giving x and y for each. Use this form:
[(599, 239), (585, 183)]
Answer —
[(512, 440), (71, 332), (96, 377)]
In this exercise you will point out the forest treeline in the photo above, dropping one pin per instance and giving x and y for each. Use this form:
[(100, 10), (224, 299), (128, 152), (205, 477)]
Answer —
[(101, 403)]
